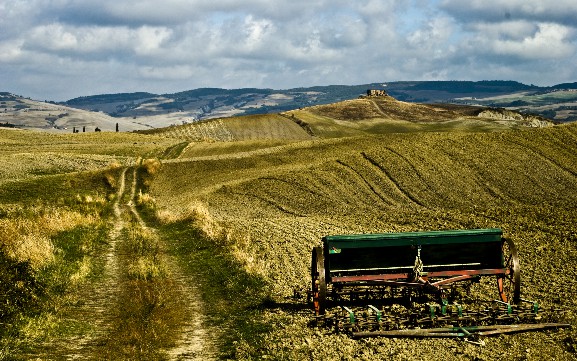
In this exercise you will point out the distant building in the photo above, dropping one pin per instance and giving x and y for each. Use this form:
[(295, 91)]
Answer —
[(376, 93)]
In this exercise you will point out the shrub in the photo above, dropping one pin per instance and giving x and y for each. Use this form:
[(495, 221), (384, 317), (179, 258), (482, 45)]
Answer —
[(20, 292)]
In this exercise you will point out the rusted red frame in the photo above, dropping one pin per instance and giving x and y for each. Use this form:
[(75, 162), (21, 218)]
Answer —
[(397, 279)]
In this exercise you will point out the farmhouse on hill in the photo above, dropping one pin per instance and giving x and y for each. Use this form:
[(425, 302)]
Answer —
[(376, 93)]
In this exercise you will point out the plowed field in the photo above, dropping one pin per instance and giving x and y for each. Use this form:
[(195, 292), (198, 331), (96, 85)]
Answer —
[(276, 205)]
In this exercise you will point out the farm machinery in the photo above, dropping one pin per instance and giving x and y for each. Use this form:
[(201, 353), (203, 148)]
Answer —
[(422, 284)]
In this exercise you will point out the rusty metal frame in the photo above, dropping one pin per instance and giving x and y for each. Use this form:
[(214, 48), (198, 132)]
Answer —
[(394, 279)]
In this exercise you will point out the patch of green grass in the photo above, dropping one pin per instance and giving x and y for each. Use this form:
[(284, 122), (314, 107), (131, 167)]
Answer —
[(36, 297), (144, 248), (233, 299), (20, 292), (174, 151), (72, 263)]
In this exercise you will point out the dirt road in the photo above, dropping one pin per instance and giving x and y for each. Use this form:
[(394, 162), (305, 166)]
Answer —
[(121, 314)]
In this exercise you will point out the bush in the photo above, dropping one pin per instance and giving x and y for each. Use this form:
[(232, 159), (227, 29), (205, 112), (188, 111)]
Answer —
[(20, 291)]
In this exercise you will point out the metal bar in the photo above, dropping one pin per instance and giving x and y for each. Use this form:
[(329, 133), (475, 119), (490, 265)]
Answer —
[(451, 280), (392, 276), (406, 267), (381, 283), (398, 276), (371, 269), (407, 333), (475, 272), (462, 331), (452, 265), (524, 328)]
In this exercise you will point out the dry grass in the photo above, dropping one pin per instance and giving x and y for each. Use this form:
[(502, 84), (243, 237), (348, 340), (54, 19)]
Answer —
[(197, 213), (111, 174), (26, 235), (110, 146), (151, 166)]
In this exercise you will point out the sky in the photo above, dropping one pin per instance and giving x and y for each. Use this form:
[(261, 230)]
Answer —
[(62, 49)]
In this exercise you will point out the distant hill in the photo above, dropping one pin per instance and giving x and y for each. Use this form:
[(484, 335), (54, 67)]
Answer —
[(24, 113), (143, 110), (560, 104), (366, 115)]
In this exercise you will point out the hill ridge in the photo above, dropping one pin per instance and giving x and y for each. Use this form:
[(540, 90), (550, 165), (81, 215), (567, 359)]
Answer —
[(204, 103)]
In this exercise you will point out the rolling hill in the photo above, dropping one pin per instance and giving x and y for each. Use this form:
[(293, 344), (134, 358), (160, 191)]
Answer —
[(270, 206), (557, 102), (250, 196), (361, 116), (19, 112)]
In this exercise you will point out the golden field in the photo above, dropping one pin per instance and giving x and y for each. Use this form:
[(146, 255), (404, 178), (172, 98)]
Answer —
[(274, 206), (267, 195)]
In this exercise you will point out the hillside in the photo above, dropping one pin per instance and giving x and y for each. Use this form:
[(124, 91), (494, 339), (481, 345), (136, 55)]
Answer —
[(196, 239), (274, 206), (361, 116), (134, 111), (385, 114), (556, 102), (24, 113)]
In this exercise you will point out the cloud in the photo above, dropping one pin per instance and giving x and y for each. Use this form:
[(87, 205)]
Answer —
[(67, 48), (491, 11), (545, 41), (525, 31)]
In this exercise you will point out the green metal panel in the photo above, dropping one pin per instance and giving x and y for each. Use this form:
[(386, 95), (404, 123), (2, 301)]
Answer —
[(338, 242)]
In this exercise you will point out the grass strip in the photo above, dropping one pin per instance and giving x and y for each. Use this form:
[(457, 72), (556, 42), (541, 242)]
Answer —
[(233, 299)]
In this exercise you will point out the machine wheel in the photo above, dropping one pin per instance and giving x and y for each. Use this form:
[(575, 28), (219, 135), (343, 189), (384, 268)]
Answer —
[(319, 284), (509, 285)]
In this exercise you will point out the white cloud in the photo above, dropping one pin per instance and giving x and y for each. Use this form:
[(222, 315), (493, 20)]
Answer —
[(10, 51), (548, 42), (88, 47)]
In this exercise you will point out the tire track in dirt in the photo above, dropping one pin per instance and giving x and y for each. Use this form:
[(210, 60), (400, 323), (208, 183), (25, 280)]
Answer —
[(366, 182), (270, 202), (92, 307), (378, 108), (97, 308), (251, 153), (192, 342), (545, 158), (393, 181)]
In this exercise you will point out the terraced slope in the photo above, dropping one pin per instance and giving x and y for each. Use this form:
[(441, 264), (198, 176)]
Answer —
[(274, 206)]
